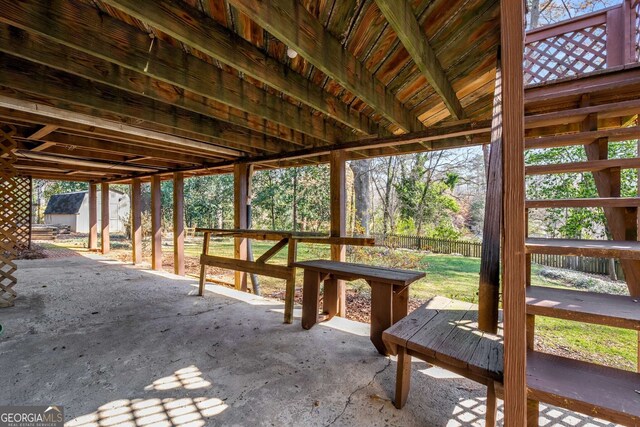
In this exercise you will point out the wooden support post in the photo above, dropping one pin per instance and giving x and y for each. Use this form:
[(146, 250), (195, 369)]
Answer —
[(106, 247), (513, 259), (156, 227), (136, 221), (241, 177), (178, 223), (337, 182), (203, 266), (489, 290), (93, 217), (290, 292)]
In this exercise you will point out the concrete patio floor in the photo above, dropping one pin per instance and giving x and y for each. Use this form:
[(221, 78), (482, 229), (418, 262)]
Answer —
[(123, 346)]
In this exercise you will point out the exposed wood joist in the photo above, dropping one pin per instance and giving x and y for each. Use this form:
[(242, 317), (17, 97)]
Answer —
[(88, 164), (58, 113), (77, 126), (292, 24), (43, 131), (402, 19), (195, 29), (130, 67), (23, 76)]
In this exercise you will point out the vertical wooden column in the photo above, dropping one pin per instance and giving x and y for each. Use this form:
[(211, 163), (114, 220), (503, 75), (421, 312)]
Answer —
[(178, 223), (104, 208), (156, 227), (489, 290), (513, 259), (136, 221), (337, 182), (241, 177), (93, 217)]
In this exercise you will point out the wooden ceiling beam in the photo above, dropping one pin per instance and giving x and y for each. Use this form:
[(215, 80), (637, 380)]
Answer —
[(48, 83), (42, 132), (99, 138), (66, 161), (291, 23), (130, 67), (195, 29), (402, 19)]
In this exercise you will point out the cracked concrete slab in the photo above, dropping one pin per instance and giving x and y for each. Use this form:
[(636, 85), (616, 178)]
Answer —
[(122, 346)]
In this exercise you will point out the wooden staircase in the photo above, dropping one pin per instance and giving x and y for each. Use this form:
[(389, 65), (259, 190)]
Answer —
[(576, 112)]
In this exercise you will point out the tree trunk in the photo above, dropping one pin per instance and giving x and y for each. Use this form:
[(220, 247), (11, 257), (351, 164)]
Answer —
[(295, 199), (362, 194), (534, 13)]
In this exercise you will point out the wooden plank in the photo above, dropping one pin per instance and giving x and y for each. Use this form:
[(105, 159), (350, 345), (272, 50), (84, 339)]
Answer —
[(596, 202), (273, 250), (488, 357), (582, 138), (104, 207), (156, 223), (587, 166), (428, 339), (391, 276), (241, 177), (42, 132), (576, 115), (489, 286), (93, 217), (591, 248), (351, 241), (90, 120), (277, 271), (310, 297), (178, 223), (402, 19), (292, 24), (89, 164), (461, 344), (570, 384), (196, 29), (136, 221), (619, 311), (513, 260), (133, 66)]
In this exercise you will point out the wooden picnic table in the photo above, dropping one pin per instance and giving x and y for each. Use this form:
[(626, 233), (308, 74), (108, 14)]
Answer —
[(389, 293), (260, 266)]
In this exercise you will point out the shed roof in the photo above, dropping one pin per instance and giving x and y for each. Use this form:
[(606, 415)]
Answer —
[(65, 204)]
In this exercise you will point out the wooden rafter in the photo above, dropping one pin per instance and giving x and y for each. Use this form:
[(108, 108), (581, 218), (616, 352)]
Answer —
[(402, 19), (195, 29), (292, 24), (131, 68)]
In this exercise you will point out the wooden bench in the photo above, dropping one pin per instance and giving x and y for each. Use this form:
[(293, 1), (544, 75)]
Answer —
[(445, 333), (389, 293)]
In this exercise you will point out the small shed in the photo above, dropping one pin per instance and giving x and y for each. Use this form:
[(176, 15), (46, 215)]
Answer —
[(72, 209)]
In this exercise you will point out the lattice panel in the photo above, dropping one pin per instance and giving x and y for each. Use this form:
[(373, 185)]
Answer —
[(22, 208), (636, 29), (8, 215), (565, 55)]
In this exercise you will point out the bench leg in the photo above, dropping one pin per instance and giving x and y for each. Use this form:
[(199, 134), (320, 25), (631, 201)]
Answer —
[(533, 413), (492, 405), (400, 302), (331, 300), (381, 313), (203, 275), (310, 297), (403, 377)]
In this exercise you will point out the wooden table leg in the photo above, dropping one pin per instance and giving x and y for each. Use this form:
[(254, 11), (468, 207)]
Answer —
[(492, 405), (381, 313), (310, 297), (400, 302), (403, 377), (331, 300)]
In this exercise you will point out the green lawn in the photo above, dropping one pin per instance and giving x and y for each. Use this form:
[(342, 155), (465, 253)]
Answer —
[(454, 277)]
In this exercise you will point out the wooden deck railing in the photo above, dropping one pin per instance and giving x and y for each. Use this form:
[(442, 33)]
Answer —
[(593, 42)]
